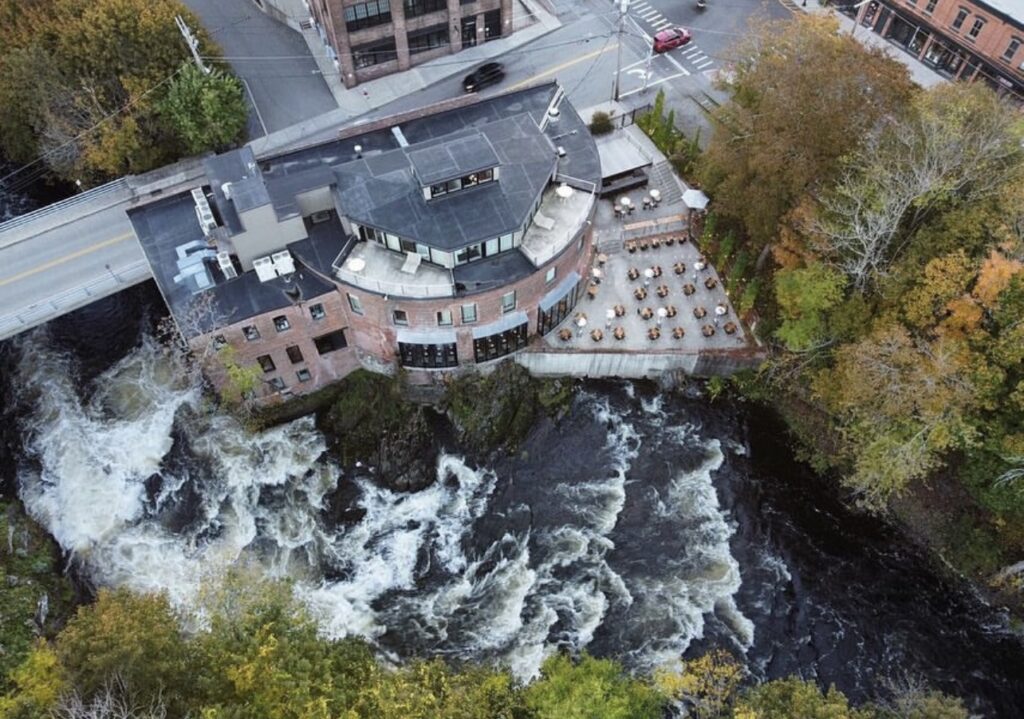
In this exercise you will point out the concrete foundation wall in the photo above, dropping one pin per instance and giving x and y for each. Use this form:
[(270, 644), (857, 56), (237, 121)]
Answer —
[(636, 365)]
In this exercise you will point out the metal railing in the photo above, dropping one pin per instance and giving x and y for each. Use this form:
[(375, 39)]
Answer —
[(113, 280), (63, 205), (396, 289)]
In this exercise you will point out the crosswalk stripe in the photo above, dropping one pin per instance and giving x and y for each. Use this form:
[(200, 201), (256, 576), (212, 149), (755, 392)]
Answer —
[(691, 50), (704, 64), (697, 58), (649, 14), (640, 5), (662, 24)]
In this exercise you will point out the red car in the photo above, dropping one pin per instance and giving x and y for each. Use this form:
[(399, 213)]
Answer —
[(671, 38)]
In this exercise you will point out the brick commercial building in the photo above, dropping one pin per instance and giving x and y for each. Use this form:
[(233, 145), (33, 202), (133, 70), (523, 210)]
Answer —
[(961, 39), (368, 39), (441, 239)]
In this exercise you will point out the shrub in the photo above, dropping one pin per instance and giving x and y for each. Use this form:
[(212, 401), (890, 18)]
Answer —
[(601, 123)]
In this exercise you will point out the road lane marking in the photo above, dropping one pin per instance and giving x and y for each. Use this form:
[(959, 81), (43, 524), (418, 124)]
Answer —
[(662, 24), (650, 14), (678, 67), (67, 258), (705, 64), (692, 50), (652, 84), (570, 63), (697, 58)]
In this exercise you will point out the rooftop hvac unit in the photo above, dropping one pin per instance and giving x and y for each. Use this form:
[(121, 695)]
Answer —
[(226, 265), (203, 212), (283, 263), (318, 217), (264, 267)]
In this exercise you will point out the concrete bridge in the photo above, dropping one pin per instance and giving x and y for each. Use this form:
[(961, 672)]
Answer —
[(71, 253)]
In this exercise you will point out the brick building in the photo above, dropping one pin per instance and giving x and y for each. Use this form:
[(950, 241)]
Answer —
[(980, 40), (443, 238), (370, 38)]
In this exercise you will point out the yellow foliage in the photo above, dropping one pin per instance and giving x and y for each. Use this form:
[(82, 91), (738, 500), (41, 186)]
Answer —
[(38, 682), (994, 277)]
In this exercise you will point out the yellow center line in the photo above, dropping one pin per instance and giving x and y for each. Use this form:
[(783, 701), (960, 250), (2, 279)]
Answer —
[(67, 258), (570, 63)]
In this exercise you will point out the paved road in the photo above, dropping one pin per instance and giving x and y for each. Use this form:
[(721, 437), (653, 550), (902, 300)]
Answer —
[(285, 91), (68, 267)]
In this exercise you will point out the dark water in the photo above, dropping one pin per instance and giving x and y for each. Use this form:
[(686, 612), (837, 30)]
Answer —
[(641, 526)]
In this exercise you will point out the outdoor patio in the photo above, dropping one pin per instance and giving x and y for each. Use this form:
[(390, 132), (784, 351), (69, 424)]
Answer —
[(655, 293)]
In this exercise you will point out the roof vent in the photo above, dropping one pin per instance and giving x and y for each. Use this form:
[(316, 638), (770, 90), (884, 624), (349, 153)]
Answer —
[(560, 151), (553, 113), (226, 189), (399, 136)]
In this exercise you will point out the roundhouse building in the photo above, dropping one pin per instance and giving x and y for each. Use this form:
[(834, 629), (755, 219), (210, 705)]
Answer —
[(443, 238)]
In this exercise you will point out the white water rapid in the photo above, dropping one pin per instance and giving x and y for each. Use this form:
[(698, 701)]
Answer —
[(148, 487)]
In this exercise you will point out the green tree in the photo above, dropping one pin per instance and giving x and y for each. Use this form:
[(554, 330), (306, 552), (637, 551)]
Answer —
[(919, 703), (590, 689), (262, 657), (803, 96), (793, 697), (707, 685), (805, 296), (131, 636), (205, 112), (36, 684)]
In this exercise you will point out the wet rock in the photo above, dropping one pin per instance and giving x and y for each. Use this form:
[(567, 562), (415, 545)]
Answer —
[(372, 422)]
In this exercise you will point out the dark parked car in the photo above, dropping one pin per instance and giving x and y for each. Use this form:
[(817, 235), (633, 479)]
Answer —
[(671, 38), (489, 74)]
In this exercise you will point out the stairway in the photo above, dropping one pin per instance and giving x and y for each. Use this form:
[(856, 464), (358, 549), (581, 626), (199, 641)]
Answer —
[(663, 178)]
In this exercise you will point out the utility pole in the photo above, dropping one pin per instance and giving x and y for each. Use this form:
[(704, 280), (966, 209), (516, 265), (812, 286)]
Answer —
[(192, 41), (623, 9)]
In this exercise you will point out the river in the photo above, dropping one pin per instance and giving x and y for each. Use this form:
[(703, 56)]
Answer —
[(643, 526)]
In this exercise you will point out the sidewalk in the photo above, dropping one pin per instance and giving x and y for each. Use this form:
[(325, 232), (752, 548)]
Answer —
[(919, 72)]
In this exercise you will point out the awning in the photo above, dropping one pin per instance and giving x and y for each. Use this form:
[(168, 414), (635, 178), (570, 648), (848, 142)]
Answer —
[(509, 321), (426, 337), (561, 290)]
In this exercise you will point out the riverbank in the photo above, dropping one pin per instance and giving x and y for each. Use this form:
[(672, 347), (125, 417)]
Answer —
[(939, 514)]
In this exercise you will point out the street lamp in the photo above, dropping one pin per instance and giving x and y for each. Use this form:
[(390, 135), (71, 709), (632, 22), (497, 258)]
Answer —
[(856, 16), (623, 9)]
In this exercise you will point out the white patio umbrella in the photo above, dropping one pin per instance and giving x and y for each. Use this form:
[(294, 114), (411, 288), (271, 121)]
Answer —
[(695, 199)]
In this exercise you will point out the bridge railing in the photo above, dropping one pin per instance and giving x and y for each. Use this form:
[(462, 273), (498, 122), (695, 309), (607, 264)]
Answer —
[(63, 205), (113, 280)]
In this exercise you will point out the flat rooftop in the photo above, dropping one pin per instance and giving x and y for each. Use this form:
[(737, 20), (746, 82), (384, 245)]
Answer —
[(165, 226)]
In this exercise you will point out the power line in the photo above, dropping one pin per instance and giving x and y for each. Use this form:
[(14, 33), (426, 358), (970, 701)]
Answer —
[(131, 103)]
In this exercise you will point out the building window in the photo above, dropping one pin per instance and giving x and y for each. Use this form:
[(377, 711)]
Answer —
[(911, 2), (400, 317), (468, 314), (461, 183), (317, 312), (277, 383), (294, 354), (492, 25), (444, 318), (437, 355), (330, 342), (356, 304), (374, 54), (550, 276), (428, 39), (930, 7), (1012, 48), (281, 323), (500, 344), (367, 14), (975, 28), (219, 342), (266, 363), (251, 333), (548, 319), (303, 375), (508, 301), (961, 15), (415, 8), (468, 254)]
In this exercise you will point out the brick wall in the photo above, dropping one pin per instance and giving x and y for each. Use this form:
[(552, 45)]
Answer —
[(372, 335)]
